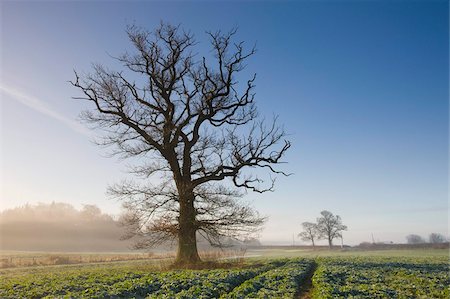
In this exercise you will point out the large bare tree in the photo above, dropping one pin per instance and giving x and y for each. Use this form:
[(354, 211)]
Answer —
[(194, 131)]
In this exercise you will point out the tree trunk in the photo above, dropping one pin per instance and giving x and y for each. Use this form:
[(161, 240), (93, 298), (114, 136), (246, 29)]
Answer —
[(314, 245), (187, 253), (330, 243)]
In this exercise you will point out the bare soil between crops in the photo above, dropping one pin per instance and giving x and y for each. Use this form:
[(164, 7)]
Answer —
[(305, 288)]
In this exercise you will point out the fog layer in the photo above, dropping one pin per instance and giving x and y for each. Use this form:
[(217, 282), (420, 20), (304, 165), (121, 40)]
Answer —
[(60, 227)]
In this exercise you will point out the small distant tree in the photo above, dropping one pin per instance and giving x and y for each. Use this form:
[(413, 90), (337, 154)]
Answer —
[(90, 212), (414, 239), (310, 233), (436, 238), (330, 226)]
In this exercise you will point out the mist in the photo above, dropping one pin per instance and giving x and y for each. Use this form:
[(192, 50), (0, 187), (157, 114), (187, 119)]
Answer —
[(59, 227)]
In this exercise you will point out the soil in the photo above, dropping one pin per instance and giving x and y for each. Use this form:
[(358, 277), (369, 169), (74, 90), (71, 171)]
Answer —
[(306, 287)]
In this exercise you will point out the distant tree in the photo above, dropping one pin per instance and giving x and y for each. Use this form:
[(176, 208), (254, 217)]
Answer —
[(414, 239), (55, 211), (192, 125), (310, 232), (93, 213), (330, 226), (436, 238), (90, 212)]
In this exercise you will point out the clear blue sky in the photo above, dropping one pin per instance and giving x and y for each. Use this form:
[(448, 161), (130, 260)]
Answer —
[(362, 87)]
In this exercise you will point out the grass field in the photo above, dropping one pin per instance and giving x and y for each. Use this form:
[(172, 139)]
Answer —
[(20, 259), (269, 273)]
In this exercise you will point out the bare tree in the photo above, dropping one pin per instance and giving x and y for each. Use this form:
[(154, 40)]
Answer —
[(436, 238), (310, 233), (330, 226), (193, 128), (414, 239), (90, 212)]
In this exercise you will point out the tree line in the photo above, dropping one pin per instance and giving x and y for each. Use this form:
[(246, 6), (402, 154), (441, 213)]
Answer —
[(55, 212), (61, 227), (433, 238), (329, 226)]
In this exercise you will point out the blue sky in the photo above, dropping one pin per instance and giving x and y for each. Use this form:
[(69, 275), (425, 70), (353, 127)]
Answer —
[(362, 87)]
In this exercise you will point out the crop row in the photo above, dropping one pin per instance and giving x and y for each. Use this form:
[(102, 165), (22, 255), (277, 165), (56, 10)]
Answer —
[(375, 278), (213, 285), (334, 278), (281, 282), (103, 282)]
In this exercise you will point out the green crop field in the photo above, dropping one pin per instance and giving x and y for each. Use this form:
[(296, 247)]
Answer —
[(316, 276), (381, 278)]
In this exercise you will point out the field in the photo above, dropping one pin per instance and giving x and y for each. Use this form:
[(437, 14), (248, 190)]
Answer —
[(299, 274), (19, 259)]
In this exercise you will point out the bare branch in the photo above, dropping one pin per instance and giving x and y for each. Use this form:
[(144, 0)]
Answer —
[(188, 120)]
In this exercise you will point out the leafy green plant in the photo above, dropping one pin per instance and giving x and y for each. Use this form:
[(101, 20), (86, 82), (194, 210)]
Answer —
[(281, 282), (381, 278)]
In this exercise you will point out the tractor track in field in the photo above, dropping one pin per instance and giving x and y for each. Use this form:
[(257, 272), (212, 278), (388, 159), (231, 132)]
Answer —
[(305, 287)]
